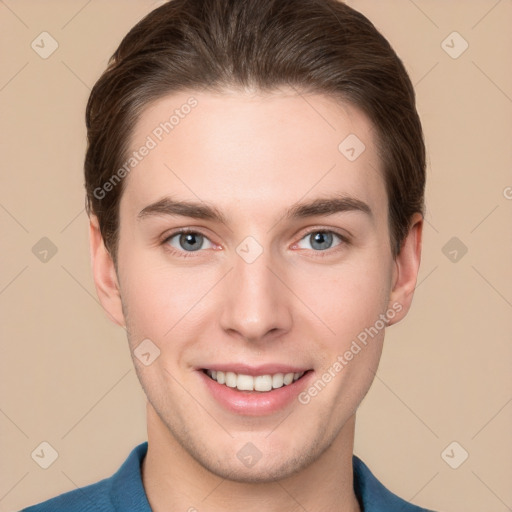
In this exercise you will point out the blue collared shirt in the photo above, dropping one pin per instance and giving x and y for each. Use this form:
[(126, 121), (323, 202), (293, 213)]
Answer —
[(124, 492)]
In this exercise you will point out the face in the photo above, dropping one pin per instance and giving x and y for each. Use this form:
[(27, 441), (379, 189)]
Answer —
[(285, 268)]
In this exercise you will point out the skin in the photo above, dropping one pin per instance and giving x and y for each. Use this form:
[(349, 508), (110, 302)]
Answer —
[(254, 155)]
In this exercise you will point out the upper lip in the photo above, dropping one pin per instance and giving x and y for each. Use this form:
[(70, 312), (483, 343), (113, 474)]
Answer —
[(264, 369)]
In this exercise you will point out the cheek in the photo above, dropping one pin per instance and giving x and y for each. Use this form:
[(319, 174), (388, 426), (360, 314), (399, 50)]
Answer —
[(349, 297), (363, 292), (164, 302), (152, 296)]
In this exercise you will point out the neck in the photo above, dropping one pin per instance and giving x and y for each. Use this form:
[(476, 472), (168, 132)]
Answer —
[(173, 480)]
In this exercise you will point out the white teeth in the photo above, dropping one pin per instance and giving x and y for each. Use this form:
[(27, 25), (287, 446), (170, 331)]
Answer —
[(288, 378), (231, 379), (277, 380), (263, 383), (260, 383), (245, 383)]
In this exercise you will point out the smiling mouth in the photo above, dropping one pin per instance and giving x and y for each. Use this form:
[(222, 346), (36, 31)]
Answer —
[(261, 383)]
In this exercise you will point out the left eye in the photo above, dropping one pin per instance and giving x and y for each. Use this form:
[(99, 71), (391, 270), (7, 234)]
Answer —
[(188, 241), (320, 240)]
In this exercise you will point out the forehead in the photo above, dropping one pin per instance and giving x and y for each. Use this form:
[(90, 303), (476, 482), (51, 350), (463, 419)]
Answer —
[(255, 151)]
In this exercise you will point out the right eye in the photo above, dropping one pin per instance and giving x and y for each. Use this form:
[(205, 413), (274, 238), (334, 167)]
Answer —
[(186, 240)]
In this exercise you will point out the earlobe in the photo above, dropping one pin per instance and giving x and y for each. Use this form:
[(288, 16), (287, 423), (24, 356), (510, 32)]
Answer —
[(407, 265), (104, 274)]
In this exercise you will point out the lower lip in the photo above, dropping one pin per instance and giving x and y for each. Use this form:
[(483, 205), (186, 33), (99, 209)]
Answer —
[(255, 403)]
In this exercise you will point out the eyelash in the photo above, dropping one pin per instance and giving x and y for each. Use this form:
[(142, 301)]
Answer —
[(320, 254)]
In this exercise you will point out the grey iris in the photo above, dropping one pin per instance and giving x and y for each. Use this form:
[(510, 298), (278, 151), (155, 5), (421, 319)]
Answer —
[(194, 239), (324, 240)]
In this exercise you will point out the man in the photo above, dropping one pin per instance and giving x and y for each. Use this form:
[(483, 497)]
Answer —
[(255, 179)]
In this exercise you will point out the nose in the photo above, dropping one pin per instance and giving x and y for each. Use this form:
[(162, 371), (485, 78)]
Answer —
[(256, 304)]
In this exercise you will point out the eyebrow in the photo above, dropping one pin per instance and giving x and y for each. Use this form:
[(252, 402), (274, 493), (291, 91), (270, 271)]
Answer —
[(202, 210)]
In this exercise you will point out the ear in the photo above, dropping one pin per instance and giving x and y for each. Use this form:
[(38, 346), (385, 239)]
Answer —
[(405, 274), (104, 274)]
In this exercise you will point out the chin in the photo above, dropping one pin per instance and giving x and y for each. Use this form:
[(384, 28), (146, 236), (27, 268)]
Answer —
[(261, 472)]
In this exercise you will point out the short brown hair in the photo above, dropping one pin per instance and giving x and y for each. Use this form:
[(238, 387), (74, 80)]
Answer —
[(315, 46)]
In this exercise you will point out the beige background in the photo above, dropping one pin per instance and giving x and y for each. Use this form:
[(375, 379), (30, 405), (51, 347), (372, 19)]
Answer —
[(445, 375)]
